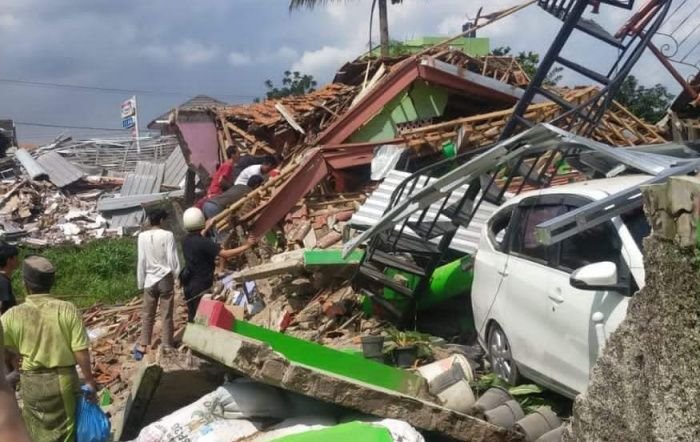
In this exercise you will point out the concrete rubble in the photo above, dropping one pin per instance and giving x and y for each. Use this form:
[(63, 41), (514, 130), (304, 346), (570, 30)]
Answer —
[(644, 385), (72, 191), (256, 361), (294, 283)]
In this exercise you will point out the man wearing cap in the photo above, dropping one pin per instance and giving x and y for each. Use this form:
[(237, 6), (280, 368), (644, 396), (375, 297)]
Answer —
[(50, 337)]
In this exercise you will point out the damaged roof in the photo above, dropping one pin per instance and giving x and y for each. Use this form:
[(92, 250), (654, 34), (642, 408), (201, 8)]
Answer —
[(199, 102), (61, 172)]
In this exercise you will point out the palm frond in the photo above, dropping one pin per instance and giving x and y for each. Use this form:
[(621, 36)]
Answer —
[(310, 4)]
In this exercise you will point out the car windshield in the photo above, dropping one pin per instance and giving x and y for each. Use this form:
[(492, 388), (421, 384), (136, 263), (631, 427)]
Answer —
[(637, 225)]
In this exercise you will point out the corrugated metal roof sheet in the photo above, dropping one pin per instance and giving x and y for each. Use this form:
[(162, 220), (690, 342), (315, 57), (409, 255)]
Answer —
[(465, 240), (34, 169), (175, 169), (145, 180), (111, 204), (61, 171)]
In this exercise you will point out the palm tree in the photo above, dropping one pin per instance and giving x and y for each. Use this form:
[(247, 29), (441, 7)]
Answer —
[(383, 19)]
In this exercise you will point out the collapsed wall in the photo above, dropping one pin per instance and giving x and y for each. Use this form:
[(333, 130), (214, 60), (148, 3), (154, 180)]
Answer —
[(646, 385)]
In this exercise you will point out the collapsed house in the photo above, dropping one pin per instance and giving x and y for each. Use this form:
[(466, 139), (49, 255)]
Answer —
[(74, 190), (410, 151)]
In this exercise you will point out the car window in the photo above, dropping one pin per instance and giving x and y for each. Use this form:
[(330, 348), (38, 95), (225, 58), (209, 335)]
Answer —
[(498, 226), (525, 240), (637, 225), (597, 244)]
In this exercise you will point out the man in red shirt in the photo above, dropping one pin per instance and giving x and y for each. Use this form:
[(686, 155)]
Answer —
[(222, 177)]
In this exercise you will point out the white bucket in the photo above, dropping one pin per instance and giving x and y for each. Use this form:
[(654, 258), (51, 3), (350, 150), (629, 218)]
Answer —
[(449, 379)]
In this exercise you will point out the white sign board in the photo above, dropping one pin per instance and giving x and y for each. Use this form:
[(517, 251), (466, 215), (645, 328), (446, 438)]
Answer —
[(128, 108), (130, 119)]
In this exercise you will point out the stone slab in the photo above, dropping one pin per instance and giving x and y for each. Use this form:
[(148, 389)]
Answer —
[(144, 386), (290, 267), (259, 362)]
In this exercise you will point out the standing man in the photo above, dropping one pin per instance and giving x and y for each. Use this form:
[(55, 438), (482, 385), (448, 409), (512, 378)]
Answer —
[(268, 163), (50, 337), (200, 259), (8, 265), (158, 264)]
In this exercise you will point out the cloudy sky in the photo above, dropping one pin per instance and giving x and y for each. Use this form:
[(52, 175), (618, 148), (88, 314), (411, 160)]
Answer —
[(171, 50)]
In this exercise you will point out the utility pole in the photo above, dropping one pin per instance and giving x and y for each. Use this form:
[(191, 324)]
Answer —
[(383, 28)]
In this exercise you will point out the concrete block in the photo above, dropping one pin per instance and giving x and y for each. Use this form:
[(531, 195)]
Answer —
[(257, 361), (681, 190), (143, 388), (289, 267)]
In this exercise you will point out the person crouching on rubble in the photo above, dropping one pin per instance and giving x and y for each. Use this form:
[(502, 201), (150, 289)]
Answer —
[(158, 264), (50, 337), (268, 164), (223, 177), (216, 205), (200, 258)]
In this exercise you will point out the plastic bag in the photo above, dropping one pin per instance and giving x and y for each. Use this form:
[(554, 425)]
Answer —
[(92, 424)]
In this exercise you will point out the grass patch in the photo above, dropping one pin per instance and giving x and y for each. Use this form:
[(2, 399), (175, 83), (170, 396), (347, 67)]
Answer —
[(101, 271)]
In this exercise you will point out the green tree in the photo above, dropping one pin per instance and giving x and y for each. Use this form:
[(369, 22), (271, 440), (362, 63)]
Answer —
[(647, 103), (383, 18), (530, 61), (293, 83)]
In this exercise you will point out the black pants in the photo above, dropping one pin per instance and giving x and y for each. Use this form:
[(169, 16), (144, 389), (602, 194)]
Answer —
[(193, 289)]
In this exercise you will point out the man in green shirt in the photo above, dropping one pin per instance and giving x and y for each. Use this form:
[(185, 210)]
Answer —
[(50, 337)]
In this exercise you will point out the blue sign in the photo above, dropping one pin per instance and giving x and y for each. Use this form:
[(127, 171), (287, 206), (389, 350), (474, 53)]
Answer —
[(128, 122)]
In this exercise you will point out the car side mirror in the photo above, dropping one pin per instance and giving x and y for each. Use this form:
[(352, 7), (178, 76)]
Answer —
[(597, 276)]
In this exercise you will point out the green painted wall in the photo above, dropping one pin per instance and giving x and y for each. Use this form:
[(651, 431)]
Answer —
[(333, 361), (472, 46), (421, 100)]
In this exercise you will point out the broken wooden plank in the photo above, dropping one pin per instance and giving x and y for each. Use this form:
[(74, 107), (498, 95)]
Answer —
[(289, 118)]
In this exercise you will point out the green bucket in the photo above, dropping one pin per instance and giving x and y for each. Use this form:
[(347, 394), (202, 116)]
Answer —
[(449, 149)]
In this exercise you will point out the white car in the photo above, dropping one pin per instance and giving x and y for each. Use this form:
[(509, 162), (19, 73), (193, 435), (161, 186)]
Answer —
[(546, 312)]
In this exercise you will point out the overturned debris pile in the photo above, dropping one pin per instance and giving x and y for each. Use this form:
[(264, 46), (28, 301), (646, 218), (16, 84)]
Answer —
[(644, 385), (38, 214), (113, 330)]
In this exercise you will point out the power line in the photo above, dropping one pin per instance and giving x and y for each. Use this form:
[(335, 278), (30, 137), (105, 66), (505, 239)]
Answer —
[(110, 90), (63, 126)]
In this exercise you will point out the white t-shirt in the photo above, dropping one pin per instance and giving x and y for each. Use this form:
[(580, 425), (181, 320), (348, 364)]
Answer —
[(157, 256), (247, 174)]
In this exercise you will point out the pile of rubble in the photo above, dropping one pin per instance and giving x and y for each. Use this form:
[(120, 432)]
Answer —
[(418, 109), (113, 330), (75, 191)]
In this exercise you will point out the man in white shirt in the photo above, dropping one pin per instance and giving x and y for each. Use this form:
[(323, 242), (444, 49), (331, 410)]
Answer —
[(269, 163), (158, 264)]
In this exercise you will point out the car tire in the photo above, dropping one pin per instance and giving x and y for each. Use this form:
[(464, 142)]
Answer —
[(501, 356)]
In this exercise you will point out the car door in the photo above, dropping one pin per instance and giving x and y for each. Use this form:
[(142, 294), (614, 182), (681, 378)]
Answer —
[(489, 267), (521, 303), (581, 320)]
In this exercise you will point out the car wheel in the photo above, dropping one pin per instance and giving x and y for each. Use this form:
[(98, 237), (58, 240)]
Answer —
[(501, 356)]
